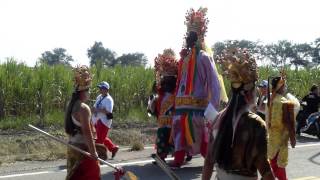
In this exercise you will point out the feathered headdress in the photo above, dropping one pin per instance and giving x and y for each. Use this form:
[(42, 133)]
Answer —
[(165, 64), (196, 21), (282, 81), (239, 67), (82, 78)]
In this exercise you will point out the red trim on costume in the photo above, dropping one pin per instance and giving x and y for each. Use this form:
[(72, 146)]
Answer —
[(279, 172), (191, 70)]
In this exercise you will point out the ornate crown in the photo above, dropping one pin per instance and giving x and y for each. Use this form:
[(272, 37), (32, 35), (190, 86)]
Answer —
[(283, 74), (82, 78), (165, 64), (282, 81), (196, 21), (239, 67)]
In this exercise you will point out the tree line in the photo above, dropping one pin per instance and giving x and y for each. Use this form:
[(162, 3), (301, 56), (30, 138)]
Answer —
[(98, 55), (284, 52)]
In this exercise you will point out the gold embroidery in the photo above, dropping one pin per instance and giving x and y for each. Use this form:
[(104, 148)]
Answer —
[(164, 120), (191, 101), (165, 106)]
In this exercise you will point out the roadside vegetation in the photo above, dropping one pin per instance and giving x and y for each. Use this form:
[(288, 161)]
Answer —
[(38, 95)]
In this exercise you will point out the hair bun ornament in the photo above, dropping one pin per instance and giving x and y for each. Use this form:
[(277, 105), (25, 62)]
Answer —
[(239, 67), (82, 78), (283, 73), (165, 64)]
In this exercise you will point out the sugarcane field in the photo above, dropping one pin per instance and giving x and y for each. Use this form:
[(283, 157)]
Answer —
[(156, 90)]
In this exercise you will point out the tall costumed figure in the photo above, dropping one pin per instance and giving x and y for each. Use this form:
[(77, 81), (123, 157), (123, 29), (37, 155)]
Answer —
[(161, 104), (197, 93)]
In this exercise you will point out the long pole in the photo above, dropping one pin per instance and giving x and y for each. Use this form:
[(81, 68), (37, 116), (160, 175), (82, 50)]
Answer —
[(72, 146), (164, 167)]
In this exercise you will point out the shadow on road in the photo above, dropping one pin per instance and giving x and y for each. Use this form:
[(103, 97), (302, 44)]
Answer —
[(305, 139), (151, 171), (62, 167), (314, 157), (189, 172)]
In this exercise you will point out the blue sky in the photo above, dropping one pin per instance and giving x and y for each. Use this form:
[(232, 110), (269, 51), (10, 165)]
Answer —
[(28, 28)]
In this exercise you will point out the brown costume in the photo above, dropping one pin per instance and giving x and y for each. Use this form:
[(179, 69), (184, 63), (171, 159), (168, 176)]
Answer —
[(249, 148), (238, 143)]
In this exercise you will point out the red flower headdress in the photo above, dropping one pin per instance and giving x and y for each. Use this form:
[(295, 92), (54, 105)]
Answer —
[(196, 21), (165, 64)]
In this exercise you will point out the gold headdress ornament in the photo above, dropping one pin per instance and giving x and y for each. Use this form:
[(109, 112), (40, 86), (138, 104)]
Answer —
[(196, 21), (239, 67), (82, 78), (279, 85), (165, 64), (282, 81)]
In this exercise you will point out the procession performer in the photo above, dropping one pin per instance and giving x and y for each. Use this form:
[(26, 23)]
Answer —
[(281, 113), (80, 130), (238, 143), (161, 105), (197, 91)]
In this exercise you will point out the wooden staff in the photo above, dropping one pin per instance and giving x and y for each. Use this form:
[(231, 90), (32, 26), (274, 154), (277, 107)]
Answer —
[(119, 171)]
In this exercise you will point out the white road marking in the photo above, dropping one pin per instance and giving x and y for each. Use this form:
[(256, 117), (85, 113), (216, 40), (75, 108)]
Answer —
[(25, 174), (306, 145), (135, 162), (102, 166), (307, 178), (128, 148), (118, 164)]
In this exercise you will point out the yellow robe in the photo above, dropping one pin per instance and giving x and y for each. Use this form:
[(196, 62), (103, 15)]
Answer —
[(278, 133)]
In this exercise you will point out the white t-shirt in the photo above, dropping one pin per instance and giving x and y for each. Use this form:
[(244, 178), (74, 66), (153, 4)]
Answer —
[(103, 103)]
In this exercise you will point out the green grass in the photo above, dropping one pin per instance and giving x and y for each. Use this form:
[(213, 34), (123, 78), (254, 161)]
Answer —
[(30, 147), (33, 146), (43, 90), (299, 82), (53, 119), (39, 95), (17, 123), (137, 146)]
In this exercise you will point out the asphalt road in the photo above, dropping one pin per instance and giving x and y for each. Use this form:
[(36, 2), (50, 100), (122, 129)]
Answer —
[(304, 164)]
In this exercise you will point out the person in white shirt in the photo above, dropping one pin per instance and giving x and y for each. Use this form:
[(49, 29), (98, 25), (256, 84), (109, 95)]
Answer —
[(102, 117)]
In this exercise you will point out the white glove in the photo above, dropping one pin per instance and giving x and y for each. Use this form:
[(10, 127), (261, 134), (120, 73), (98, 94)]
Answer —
[(210, 113)]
